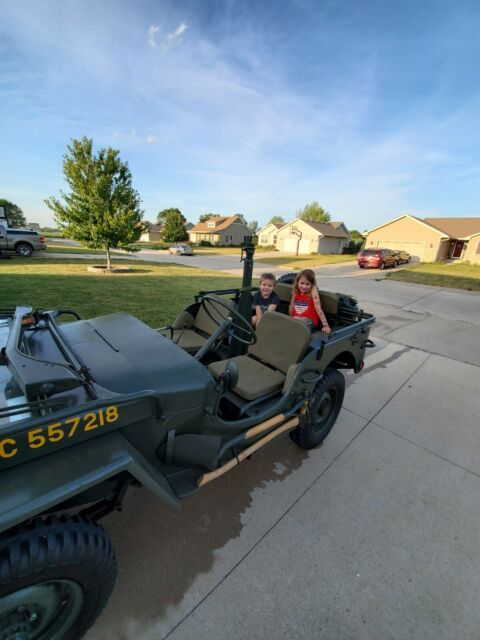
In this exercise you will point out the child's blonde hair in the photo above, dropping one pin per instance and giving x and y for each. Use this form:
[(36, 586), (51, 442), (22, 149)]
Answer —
[(309, 275)]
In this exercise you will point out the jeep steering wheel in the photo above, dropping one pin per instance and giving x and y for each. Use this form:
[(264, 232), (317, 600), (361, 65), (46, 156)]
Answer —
[(228, 317)]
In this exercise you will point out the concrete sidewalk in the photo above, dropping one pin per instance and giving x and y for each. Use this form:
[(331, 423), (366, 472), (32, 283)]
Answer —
[(374, 536)]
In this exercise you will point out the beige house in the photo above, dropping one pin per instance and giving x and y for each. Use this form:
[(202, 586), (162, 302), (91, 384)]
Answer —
[(153, 233), (304, 237), (221, 230), (429, 239), (267, 236)]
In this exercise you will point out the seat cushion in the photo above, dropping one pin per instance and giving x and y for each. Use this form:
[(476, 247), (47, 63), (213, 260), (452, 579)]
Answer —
[(255, 379), (189, 340)]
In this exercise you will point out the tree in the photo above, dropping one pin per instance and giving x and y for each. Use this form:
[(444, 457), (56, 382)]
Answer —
[(276, 220), (174, 227), (254, 227), (356, 236), (357, 241), (14, 215), (162, 215), (206, 216), (102, 210), (313, 212)]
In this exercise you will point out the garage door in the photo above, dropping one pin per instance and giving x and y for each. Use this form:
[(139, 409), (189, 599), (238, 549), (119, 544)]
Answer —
[(290, 245), (415, 249)]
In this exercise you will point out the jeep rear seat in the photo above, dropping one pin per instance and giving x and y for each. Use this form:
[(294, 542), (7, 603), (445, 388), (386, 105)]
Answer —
[(328, 300)]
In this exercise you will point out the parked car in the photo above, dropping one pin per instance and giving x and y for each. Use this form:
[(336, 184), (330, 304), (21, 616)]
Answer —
[(377, 258), (181, 250), (402, 256), (21, 242)]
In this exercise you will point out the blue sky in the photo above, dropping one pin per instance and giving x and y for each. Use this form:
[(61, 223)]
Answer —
[(257, 107)]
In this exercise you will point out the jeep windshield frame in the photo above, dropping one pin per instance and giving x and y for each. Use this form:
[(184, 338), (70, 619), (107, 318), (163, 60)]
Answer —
[(38, 378)]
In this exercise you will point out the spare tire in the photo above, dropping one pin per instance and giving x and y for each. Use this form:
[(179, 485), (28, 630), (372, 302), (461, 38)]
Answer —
[(287, 278)]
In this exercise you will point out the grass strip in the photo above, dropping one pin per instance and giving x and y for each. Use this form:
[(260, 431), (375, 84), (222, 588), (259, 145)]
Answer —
[(440, 274), (155, 293), (306, 262)]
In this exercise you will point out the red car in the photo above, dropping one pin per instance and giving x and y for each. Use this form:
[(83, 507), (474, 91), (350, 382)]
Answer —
[(377, 258)]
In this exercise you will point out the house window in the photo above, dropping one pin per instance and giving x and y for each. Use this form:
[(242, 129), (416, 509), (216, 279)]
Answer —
[(211, 225), (263, 239), (275, 239)]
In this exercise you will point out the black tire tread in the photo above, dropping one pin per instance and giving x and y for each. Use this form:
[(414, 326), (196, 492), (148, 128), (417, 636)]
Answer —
[(302, 435), (45, 544)]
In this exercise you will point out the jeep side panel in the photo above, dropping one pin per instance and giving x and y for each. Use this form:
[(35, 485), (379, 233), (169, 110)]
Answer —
[(42, 484)]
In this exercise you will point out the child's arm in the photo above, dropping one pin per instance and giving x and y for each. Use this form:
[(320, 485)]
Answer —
[(320, 314), (291, 305), (272, 307)]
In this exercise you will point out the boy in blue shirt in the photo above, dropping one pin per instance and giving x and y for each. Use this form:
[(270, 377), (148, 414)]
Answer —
[(266, 299)]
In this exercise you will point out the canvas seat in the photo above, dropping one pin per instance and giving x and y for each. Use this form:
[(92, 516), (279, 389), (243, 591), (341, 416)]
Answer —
[(328, 300), (191, 332), (281, 342)]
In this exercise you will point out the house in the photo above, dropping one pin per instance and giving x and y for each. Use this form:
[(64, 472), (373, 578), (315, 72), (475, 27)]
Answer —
[(300, 236), (152, 233), (429, 239), (267, 236), (221, 230)]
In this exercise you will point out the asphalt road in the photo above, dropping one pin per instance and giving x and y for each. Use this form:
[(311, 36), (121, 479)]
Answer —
[(374, 536)]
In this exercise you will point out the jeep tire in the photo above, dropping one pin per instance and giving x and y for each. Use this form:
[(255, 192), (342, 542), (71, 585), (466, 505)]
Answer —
[(287, 278), (322, 411), (56, 575)]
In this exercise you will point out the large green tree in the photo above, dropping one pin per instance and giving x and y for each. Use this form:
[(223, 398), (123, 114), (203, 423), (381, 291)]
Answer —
[(254, 227), (14, 214), (276, 220), (173, 229), (313, 212), (162, 215), (101, 209)]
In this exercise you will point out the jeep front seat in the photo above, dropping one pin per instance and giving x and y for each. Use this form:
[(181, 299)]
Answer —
[(281, 342)]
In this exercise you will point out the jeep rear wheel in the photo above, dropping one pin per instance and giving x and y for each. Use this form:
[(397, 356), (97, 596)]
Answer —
[(56, 575), (23, 249), (322, 411)]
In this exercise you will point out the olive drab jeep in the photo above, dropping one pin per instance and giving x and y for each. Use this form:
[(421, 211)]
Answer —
[(90, 407)]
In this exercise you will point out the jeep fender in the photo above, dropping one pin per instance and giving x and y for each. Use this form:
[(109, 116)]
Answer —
[(39, 485)]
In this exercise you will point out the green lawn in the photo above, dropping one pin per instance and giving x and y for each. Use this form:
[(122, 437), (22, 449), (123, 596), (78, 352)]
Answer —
[(155, 293), (65, 248), (439, 274), (305, 262)]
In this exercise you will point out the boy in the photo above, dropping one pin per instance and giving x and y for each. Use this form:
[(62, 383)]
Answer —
[(266, 299)]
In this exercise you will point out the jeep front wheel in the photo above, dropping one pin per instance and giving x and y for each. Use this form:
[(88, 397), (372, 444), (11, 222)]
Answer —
[(322, 411), (56, 575), (24, 250)]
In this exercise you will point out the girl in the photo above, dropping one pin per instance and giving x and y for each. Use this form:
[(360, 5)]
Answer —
[(305, 303)]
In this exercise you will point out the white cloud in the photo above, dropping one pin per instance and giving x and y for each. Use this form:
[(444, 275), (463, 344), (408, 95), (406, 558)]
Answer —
[(152, 34), (151, 139), (173, 37)]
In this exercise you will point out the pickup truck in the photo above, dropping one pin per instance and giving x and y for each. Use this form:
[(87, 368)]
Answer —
[(90, 407), (20, 241)]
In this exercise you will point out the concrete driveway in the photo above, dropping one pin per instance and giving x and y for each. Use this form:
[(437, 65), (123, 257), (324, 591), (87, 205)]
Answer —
[(373, 536)]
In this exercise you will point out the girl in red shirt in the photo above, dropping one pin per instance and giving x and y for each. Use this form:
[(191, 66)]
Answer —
[(305, 303)]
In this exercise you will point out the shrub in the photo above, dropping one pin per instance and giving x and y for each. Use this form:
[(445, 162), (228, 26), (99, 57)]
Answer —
[(205, 243)]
